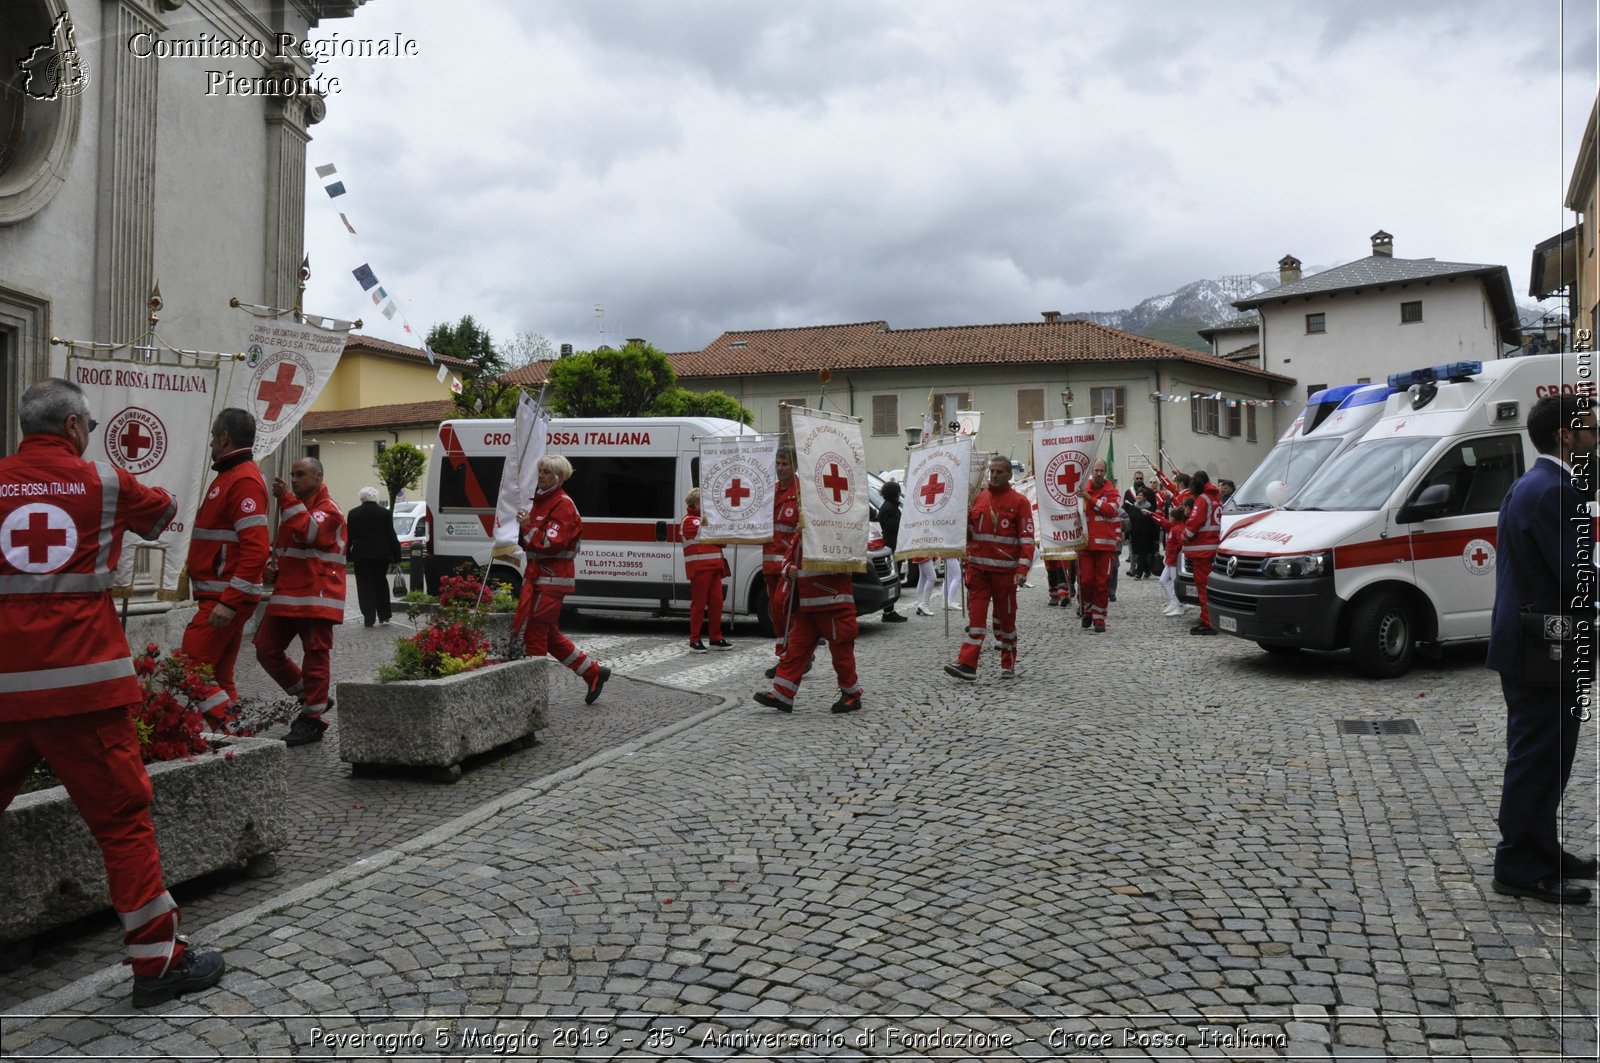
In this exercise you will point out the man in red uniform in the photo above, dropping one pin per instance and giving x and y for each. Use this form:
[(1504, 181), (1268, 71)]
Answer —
[(67, 678), (821, 606), (307, 574), (227, 561), (785, 531), (999, 554), (1102, 512), (1201, 534), (551, 530)]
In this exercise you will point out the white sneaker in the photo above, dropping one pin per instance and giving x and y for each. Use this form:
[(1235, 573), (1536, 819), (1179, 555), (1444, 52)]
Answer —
[(923, 610), (954, 607)]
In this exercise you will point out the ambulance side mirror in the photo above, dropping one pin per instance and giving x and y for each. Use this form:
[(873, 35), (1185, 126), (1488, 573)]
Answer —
[(1430, 502)]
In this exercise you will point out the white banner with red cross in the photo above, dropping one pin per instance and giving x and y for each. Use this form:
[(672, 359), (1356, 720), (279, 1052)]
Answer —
[(933, 514), (148, 426), (738, 476), (1062, 454), (285, 368), (831, 468), (519, 479)]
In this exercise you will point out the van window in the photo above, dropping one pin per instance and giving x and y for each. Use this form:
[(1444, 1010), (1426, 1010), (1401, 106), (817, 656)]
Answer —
[(1363, 477), (1478, 472), (471, 482), (624, 487)]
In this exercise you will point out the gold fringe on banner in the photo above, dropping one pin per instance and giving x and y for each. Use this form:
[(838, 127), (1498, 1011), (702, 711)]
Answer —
[(820, 568), (743, 540), (1059, 553), (933, 551)]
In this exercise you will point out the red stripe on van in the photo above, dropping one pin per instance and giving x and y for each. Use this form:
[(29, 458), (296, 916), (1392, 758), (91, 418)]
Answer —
[(1427, 546), (625, 531)]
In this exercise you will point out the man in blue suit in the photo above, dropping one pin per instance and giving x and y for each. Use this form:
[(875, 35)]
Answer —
[(1545, 543)]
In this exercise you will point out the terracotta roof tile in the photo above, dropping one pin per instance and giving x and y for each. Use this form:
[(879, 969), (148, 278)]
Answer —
[(356, 341), (393, 416)]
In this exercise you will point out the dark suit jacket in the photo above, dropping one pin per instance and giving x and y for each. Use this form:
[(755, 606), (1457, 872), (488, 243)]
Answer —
[(372, 536), (1545, 528)]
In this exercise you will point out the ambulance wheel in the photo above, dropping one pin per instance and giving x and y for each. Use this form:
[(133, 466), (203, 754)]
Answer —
[(1382, 636), (758, 609), (1278, 649)]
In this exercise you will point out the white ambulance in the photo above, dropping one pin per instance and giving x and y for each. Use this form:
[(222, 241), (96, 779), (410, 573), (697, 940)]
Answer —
[(1334, 420), (630, 475), (1392, 545)]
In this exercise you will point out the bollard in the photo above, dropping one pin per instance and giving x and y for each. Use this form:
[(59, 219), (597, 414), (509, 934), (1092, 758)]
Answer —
[(419, 566)]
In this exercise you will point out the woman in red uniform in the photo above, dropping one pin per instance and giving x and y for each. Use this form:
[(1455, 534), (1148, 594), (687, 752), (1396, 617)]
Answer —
[(703, 564)]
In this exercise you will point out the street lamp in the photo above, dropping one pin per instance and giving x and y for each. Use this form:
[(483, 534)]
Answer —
[(913, 436), (1066, 400)]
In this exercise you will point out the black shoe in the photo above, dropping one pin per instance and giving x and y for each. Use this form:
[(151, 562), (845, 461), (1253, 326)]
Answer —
[(597, 683), (1099, 628), (696, 646), (1088, 621), (1053, 602), (893, 618), (1202, 629), (961, 671), (721, 644), (771, 673), (848, 702), (193, 971), (772, 701), (305, 730), (1579, 866), (369, 623), (1111, 598), (1550, 889)]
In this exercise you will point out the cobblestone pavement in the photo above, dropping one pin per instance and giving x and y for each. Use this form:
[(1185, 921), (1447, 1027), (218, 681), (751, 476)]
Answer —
[(1146, 845)]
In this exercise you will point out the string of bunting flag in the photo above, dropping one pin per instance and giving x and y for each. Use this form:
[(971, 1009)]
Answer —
[(1217, 396), (368, 279)]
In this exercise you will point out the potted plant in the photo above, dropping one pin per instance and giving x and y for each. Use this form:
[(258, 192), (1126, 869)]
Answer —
[(446, 695), (219, 802)]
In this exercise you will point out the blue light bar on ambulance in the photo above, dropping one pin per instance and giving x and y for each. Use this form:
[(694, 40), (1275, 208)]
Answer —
[(1434, 374), (1324, 402), (1366, 395)]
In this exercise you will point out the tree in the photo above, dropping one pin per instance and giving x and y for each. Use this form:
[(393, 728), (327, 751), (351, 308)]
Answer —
[(482, 393), (681, 402), (610, 383), (400, 466), (526, 348)]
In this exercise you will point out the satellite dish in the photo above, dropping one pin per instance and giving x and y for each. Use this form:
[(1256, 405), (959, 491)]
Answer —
[(1277, 493)]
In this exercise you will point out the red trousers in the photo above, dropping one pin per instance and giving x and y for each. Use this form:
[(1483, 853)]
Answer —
[(1094, 582), (310, 679), (218, 647), (777, 605), (839, 628), (96, 757), (1200, 565), (984, 586), (705, 594), (538, 612)]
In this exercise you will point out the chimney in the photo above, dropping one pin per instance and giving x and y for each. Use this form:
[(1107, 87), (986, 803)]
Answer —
[(1383, 244), (1288, 269), (1051, 315), (566, 350), (634, 341)]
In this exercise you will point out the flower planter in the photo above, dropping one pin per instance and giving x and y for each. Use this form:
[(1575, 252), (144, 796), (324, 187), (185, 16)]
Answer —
[(438, 723), (210, 813), (496, 626)]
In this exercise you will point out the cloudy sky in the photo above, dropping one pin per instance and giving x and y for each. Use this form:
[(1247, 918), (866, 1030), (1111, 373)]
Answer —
[(694, 166)]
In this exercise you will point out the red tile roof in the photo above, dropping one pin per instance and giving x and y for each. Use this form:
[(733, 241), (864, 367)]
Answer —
[(374, 345), (874, 345), (397, 415)]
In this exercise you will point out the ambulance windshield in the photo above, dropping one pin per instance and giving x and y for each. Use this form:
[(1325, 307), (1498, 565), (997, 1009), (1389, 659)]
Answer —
[(1365, 476), (1292, 461)]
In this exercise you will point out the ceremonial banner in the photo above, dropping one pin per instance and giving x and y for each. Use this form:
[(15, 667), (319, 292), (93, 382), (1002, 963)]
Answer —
[(831, 468), (519, 479), (969, 420), (1062, 454), (286, 367), (738, 476), (151, 425), (933, 520)]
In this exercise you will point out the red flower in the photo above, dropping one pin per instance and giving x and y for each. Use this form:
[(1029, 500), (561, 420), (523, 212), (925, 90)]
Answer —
[(168, 715)]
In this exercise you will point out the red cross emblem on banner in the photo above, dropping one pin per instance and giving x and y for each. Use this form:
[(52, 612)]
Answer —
[(279, 392), (931, 490), (836, 482), (1069, 478), (736, 493), (134, 440)]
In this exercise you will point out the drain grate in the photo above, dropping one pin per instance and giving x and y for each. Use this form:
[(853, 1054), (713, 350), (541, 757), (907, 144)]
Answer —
[(1379, 727)]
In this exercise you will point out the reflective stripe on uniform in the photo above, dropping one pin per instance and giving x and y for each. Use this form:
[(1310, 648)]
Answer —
[(831, 599), (292, 600), (312, 555), (160, 906), (57, 583), (1003, 540), (256, 589), (110, 490), (557, 583), (221, 535), (995, 562), (257, 521), (76, 675), (215, 585)]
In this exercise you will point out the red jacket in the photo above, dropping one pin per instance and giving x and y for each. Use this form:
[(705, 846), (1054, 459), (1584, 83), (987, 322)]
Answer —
[(1102, 510), (229, 549), (310, 555), (551, 535), (61, 525), (785, 527), (1000, 531), (1203, 531), (1174, 544), (698, 556)]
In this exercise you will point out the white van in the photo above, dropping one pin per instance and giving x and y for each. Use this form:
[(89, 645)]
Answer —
[(1333, 421), (630, 475), (1393, 543)]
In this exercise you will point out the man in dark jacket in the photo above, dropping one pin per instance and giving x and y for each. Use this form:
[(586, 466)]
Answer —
[(889, 522), (373, 548), (1544, 579)]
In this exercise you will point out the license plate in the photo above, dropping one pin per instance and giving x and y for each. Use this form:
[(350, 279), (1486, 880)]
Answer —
[(1227, 623)]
